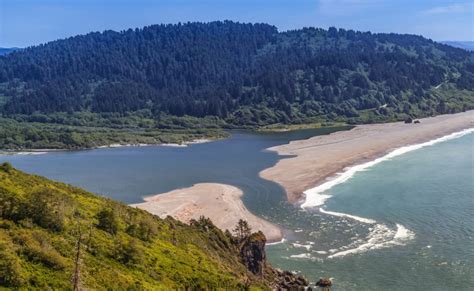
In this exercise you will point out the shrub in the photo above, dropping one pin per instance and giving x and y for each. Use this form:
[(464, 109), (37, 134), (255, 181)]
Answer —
[(108, 221), (48, 209), (145, 229), (6, 167), (37, 248), (10, 269), (128, 253), (10, 205)]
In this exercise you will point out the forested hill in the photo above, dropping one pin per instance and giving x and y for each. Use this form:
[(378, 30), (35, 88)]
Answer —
[(245, 74), (4, 51)]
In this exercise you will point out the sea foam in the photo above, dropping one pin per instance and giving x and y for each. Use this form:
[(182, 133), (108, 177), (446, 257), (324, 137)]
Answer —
[(381, 236), (276, 242), (315, 197)]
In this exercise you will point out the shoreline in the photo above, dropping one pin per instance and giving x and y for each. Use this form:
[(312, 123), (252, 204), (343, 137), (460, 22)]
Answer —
[(317, 161), (314, 196), (114, 145), (220, 202)]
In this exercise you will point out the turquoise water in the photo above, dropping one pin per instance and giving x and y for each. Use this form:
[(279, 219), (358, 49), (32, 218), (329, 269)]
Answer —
[(429, 192)]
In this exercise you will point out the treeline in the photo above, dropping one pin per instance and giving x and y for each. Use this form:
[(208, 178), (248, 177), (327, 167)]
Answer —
[(245, 74)]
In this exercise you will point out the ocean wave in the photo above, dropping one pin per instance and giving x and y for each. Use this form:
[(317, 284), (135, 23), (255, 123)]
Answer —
[(276, 243), (307, 246), (358, 218), (381, 236), (315, 197), (301, 256)]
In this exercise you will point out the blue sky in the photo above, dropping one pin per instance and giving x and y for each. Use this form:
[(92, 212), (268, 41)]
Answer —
[(30, 22)]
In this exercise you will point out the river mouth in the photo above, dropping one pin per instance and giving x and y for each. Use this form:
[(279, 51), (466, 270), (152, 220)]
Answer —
[(406, 239)]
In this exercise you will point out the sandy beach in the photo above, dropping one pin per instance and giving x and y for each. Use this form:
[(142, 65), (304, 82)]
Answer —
[(221, 203), (322, 157)]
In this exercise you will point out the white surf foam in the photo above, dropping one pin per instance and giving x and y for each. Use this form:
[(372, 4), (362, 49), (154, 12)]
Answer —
[(307, 247), (276, 243), (338, 214), (381, 236), (301, 256), (315, 197), (23, 153)]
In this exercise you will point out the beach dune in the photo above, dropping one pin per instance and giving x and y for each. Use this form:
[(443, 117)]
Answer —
[(219, 202), (321, 157)]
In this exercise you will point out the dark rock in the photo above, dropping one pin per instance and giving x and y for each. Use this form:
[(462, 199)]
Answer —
[(324, 282), (417, 121), (252, 253), (286, 280), (408, 120), (253, 256)]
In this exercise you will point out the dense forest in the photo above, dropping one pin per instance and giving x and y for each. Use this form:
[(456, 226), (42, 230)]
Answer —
[(4, 51), (57, 237), (242, 74)]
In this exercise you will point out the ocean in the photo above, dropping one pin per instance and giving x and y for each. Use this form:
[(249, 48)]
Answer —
[(403, 222)]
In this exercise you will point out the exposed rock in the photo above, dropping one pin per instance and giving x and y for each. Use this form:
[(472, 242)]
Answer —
[(408, 120), (417, 121), (324, 282), (253, 256), (252, 253), (286, 280)]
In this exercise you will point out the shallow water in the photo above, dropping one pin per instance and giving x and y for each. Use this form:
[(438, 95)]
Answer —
[(418, 207)]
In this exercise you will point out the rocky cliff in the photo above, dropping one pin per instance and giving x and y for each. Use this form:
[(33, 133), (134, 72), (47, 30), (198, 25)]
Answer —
[(253, 256)]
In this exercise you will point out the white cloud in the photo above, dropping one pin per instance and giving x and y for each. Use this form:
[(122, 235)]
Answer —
[(453, 8)]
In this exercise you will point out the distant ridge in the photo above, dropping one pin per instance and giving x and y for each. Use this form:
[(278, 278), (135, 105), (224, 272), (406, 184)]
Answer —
[(467, 45), (4, 50)]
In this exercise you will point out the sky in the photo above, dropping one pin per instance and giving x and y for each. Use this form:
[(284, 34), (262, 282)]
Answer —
[(31, 22)]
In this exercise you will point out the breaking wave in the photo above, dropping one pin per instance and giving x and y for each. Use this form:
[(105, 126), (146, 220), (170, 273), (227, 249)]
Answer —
[(380, 235), (315, 197)]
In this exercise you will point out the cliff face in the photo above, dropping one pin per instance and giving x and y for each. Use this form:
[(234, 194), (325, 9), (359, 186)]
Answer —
[(252, 252)]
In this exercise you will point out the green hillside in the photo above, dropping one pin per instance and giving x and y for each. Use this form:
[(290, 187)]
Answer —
[(196, 79), (42, 223)]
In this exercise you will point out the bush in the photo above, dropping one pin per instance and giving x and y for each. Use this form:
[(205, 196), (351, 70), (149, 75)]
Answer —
[(48, 209), (37, 248), (128, 253), (10, 269), (108, 221), (6, 167), (10, 205), (145, 229)]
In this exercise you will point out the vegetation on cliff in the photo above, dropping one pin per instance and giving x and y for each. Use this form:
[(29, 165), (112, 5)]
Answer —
[(53, 235)]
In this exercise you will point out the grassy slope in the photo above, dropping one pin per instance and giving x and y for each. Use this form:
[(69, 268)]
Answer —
[(177, 255)]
